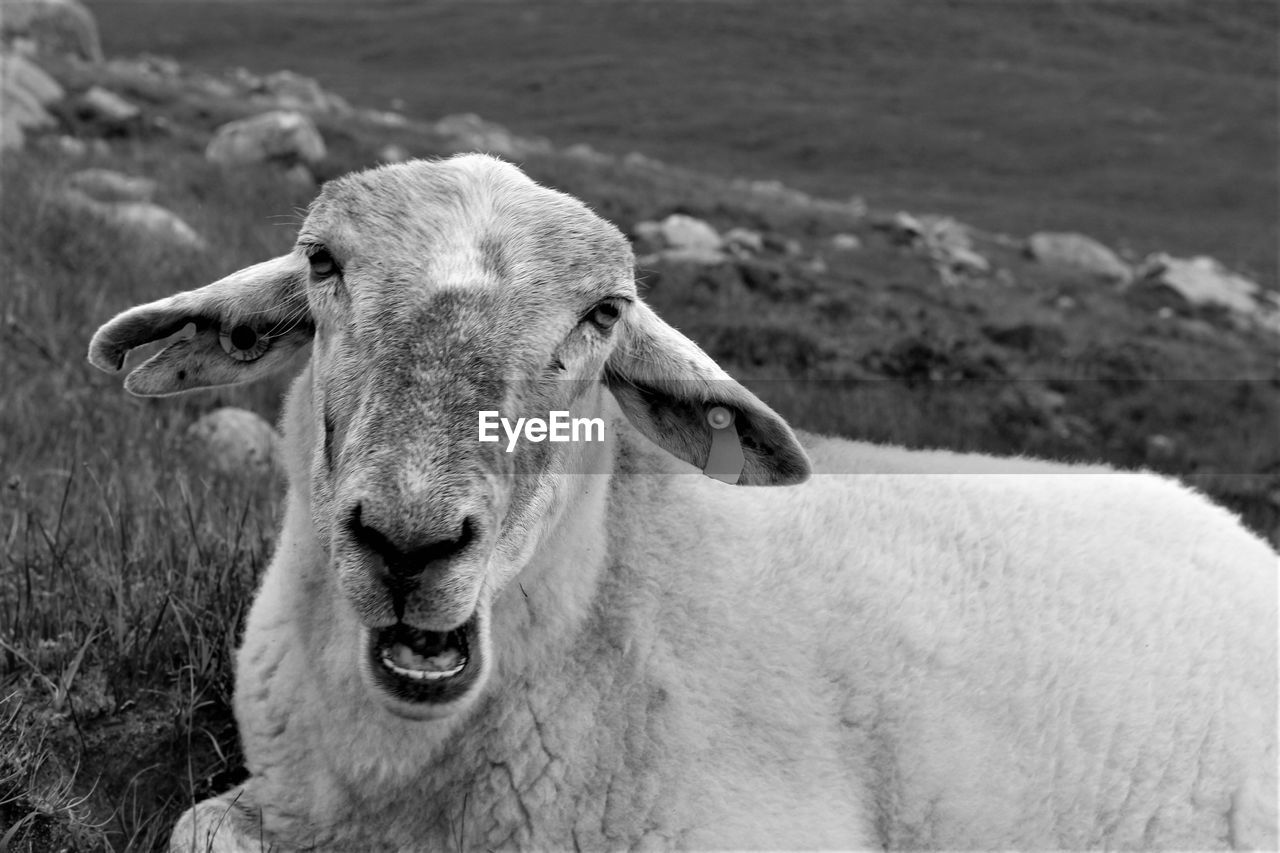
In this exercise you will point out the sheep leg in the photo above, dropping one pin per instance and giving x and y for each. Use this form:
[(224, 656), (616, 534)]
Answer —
[(224, 824)]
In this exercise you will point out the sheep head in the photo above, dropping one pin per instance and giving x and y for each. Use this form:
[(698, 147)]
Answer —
[(430, 292)]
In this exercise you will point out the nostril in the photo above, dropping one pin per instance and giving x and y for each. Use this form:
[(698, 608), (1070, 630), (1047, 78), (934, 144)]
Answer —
[(408, 558)]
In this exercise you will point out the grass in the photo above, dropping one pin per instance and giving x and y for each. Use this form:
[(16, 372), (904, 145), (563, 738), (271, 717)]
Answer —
[(1148, 123), (127, 562)]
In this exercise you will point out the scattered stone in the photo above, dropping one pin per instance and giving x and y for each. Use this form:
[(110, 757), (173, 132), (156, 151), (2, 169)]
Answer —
[(139, 217), (647, 236), (71, 146), (469, 132), (743, 241), (393, 154), (106, 106), (289, 91), (947, 242), (384, 117), (583, 151), (1160, 447), (54, 27), (816, 265), (108, 185), (679, 238), (1078, 253), (238, 441), (689, 233), (214, 88), (1201, 281), (782, 245), (25, 91), (775, 191), (845, 242), (282, 136), (75, 148), (636, 160)]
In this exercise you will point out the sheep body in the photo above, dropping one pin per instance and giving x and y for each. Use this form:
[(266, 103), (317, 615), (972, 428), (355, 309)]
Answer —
[(941, 651)]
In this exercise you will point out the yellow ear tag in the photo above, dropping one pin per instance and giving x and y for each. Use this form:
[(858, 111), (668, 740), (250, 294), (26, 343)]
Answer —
[(725, 461)]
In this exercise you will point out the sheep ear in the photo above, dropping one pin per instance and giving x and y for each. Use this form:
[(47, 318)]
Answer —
[(668, 387), (248, 325)]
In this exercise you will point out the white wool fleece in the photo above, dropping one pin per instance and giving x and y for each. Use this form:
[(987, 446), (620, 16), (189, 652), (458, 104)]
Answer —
[(1016, 655)]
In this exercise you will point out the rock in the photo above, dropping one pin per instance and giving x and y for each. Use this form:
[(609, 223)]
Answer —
[(744, 241), (845, 242), (75, 148), (282, 136), (25, 91), (384, 117), (782, 245), (393, 154), (636, 160), (60, 27), (583, 151), (214, 88), (107, 185), (1078, 253), (1160, 448), (964, 260), (678, 239), (70, 146), (646, 238), (104, 105), (237, 441), (1202, 281), (469, 132), (816, 265), (689, 233), (289, 91), (139, 217), (946, 241)]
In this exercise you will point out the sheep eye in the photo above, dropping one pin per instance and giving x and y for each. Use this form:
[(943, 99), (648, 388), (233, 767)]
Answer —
[(604, 315), (322, 263), (243, 343)]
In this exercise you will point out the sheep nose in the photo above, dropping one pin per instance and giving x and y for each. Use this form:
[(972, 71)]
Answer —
[(405, 559)]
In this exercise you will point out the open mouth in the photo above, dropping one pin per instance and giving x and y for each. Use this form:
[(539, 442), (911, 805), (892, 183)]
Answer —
[(425, 667)]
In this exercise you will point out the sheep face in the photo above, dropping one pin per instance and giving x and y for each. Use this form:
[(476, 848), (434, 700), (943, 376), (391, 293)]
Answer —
[(431, 292), (437, 294)]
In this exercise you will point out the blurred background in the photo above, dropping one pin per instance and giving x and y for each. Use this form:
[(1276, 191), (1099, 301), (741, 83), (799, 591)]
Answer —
[(1045, 228)]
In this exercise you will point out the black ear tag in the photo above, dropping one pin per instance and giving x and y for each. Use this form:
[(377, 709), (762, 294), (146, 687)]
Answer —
[(725, 461)]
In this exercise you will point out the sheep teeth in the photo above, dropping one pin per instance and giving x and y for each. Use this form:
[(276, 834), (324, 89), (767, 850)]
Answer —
[(388, 660)]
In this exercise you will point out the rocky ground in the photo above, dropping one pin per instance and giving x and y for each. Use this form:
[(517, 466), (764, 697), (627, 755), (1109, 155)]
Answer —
[(126, 178)]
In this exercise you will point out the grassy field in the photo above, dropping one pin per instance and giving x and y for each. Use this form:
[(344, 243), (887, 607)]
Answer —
[(128, 562), (1149, 123)]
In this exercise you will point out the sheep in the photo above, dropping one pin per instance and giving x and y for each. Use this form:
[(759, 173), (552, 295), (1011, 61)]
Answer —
[(592, 645)]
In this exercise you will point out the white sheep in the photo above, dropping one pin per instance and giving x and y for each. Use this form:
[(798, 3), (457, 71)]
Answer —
[(591, 645)]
